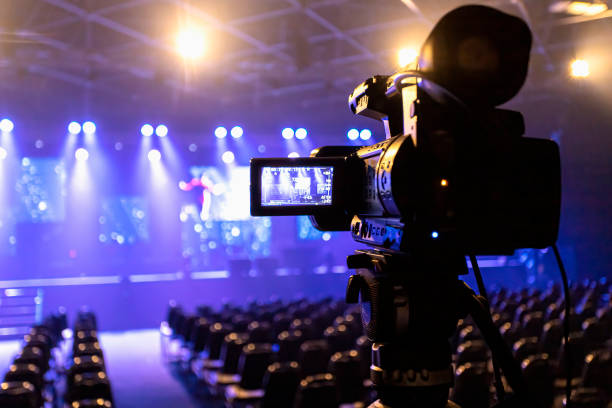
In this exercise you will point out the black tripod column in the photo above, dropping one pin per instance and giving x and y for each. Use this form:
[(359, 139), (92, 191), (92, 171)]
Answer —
[(409, 311)]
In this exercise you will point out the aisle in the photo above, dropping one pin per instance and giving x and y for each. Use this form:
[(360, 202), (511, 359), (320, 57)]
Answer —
[(138, 376)]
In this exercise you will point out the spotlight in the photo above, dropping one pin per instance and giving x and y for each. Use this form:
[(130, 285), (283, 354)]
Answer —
[(74, 128), (146, 130), (293, 154), (190, 43), (228, 157), (236, 132), (154, 155), (578, 8), (287, 133), (579, 68), (352, 134), (39, 144), (81, 154), (406, 56), (220, 132), (434, 234), (193, 147), (3, 153), (161, 130), (118, 146), (301, 133), (6, 125), (89, 128), (365, 134)]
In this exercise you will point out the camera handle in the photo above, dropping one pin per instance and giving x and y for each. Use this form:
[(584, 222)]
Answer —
[(410, 308)]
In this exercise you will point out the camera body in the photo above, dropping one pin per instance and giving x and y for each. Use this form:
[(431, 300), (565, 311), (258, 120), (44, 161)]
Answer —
[(454, 172)]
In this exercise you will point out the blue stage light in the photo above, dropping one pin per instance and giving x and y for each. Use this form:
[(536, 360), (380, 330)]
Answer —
[(74, 128), (89, 128), (81, 154), (154, 155), (161, 130), (228, 157), (352, 134), (301, 133), (146, 130), (287, 133), (3, 153), (365, 134), (6, 125), (220, 132), (434, 234), (236, 132)]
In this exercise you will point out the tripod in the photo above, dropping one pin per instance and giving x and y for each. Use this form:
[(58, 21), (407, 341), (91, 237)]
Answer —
[(410, 308)]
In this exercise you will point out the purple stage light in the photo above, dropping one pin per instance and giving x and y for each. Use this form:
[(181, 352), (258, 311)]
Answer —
[(74, 128), (146, 130), (6, 125), (81, 154), (161, 130), (89, 128), (154, 155)]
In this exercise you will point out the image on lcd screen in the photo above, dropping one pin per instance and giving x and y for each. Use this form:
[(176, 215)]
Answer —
[(296, 186)]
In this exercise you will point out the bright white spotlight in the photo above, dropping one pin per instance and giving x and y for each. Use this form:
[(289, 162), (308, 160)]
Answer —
[(161, 130), (3, 153), (293, 155), (228, 157), (220, 132), (191, 42), (579, 68), (406, 56), (154, 155), (287, 133), (74, 128), (352, 134), (146, 130), (6, 125), (236, 132), (81, 154), (365, 134), (301, 133), (89, 128)]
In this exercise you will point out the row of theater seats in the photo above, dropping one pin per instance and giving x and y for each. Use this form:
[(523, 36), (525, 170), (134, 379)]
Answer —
[(531, 323), (308, 354), (48, 373)]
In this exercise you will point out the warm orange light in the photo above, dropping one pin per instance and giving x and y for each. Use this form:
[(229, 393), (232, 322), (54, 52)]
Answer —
[(579, 68), (444, 182), (191, 42), (406, 56)]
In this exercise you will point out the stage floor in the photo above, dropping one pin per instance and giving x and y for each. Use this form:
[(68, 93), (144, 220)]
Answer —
[(134, 364)]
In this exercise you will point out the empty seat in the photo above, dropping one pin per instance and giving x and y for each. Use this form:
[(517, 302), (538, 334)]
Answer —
[(598, 371), (199, 335), (317, 391), (472, 351), (92, 403), (533, 324), (539, 373), (346, 368), (289, 343), (587, 398), (339, 338), (471, 386), (90, 385), (314, 357), (525, 347), (218, 331), (552, 335), (280, 384), (254, 362), (19, 394)]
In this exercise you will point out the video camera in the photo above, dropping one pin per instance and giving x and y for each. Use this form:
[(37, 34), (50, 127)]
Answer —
[(454, 170)]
